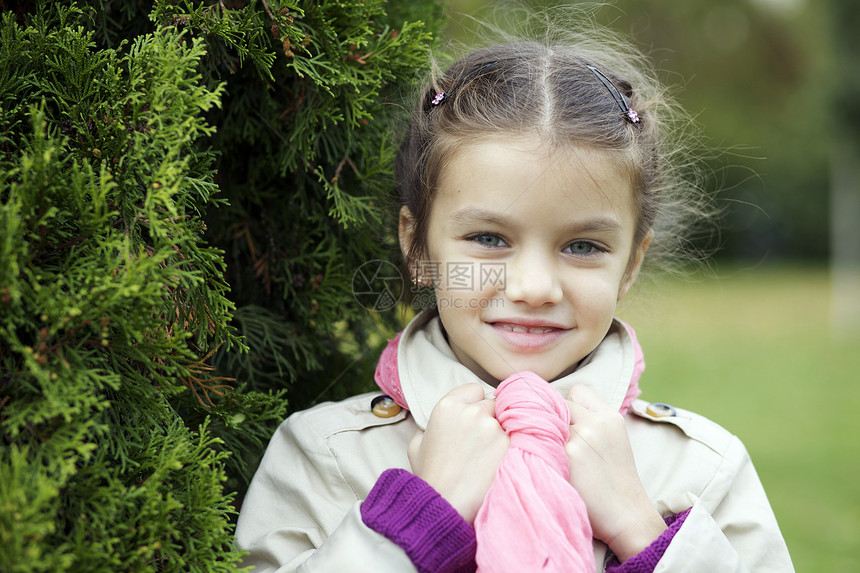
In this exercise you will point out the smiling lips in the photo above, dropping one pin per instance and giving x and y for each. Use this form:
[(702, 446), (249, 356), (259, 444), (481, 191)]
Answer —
[(521, 328), (528, 336)]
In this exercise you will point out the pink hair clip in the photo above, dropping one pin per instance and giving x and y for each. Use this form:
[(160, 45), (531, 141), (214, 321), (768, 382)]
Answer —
[(630, 114), (470, 75)]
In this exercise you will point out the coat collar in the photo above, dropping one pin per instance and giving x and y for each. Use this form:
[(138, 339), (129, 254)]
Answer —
[(428, 368)]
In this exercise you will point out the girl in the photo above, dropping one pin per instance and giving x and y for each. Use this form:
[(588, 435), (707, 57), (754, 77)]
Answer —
[(533, 180)]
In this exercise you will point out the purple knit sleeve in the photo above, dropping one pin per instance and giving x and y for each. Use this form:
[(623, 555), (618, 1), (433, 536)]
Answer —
[(646, 560), (406, 510)]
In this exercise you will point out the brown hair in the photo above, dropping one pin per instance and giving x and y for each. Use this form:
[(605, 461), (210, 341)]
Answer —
[(547, 89)]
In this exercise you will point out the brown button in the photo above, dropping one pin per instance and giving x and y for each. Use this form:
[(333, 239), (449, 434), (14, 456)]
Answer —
[(384, 407), (660, 410)]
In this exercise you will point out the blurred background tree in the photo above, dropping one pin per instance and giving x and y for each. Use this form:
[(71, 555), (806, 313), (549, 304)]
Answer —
[(845, 141)]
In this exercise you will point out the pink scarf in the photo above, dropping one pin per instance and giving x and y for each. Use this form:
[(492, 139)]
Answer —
[(532, 518)]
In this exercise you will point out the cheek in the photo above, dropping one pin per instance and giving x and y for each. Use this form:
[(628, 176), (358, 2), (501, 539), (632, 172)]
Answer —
[(595, 295)]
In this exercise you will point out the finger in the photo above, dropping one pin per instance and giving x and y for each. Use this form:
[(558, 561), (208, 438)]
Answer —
[(467, 393), (417, 437), (489, 406), (414, 446), (578, 412), (587, 398)]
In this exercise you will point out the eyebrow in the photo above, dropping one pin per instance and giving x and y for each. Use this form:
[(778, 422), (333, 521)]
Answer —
[(468, 215), (471, 215)]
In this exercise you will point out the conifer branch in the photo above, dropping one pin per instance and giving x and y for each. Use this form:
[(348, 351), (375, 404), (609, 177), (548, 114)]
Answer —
[(193, 382), (268, 10)]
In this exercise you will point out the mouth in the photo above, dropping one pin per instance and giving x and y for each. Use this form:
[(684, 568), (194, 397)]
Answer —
[(529, 335), (521, 328)]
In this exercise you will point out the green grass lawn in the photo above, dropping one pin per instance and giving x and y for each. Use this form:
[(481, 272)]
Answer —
[(753, 350)]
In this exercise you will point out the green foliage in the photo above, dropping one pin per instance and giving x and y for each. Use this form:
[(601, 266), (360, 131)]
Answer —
[(163, 282), (306, 151), (109, 298), (306, 147)]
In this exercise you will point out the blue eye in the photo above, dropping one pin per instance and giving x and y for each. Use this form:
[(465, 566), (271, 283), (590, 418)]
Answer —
[(582, 248), (487, 240)]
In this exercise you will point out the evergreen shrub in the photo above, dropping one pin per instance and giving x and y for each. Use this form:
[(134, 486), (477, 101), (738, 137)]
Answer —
[(186, 189)]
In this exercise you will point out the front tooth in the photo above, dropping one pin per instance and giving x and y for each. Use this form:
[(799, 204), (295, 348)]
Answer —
[(538, 331), (517, 328)]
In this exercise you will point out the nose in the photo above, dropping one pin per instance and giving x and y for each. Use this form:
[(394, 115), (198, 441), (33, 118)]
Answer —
[(533, 278)]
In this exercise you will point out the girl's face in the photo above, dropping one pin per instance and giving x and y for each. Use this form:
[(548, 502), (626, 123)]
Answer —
[(528, 254)]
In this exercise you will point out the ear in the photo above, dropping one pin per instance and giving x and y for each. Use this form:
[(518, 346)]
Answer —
[(406, 232), (636, 264)]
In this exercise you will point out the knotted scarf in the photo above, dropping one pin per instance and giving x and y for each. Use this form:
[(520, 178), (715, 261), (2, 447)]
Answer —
[(532, 518)]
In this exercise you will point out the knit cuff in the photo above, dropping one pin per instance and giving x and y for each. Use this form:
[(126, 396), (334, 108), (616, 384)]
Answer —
[(406, 510), (646, 560)]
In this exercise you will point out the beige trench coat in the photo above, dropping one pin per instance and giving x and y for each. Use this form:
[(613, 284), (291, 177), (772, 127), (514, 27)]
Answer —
[(301, 512)]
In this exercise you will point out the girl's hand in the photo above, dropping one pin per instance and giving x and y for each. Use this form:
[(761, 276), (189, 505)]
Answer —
[(603, 471), (461, 449)]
